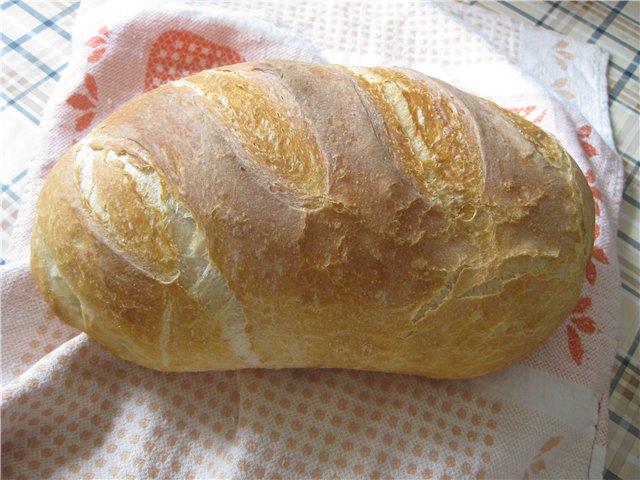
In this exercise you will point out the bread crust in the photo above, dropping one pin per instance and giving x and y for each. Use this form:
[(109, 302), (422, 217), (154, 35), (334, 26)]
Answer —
[(283, 214)]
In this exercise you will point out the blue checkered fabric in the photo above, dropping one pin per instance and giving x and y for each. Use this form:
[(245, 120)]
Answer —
[(36, 43)]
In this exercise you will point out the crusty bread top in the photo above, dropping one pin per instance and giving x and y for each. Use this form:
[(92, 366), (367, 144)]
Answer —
[(285, 214)]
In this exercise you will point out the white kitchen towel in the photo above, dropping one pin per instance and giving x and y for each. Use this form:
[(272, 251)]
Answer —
[(70, 409)]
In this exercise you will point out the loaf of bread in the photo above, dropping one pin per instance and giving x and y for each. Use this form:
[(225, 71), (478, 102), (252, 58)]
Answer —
[(283, 214)]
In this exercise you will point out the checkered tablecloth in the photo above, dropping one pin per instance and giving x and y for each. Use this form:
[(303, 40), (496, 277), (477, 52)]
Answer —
[(36, 45)]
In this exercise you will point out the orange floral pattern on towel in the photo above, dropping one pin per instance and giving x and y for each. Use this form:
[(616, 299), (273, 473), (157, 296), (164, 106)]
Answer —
[(580, 323), (180, 53)]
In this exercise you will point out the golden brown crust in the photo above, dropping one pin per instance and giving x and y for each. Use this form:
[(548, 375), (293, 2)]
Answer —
[(284, 214)]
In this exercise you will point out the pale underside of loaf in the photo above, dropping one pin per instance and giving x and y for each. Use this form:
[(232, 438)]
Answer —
[(282, 214)]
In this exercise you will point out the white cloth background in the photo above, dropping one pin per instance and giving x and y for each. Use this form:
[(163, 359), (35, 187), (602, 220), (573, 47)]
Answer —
[(72, 410)]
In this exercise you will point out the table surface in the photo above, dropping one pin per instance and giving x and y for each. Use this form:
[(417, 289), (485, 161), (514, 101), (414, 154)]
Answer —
[(36, 44)]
